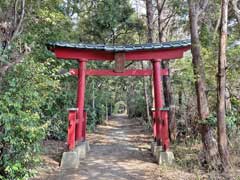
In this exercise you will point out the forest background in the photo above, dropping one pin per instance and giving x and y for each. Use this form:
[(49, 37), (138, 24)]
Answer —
[(36, 89)]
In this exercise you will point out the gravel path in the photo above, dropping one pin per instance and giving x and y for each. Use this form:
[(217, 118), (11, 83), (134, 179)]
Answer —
[(120, 150)]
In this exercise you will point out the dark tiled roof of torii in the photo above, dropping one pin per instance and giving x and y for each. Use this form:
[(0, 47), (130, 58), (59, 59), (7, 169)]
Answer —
[(121, 48)]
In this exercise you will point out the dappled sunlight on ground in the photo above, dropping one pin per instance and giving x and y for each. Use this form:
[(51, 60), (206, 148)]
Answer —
[(120, 150)]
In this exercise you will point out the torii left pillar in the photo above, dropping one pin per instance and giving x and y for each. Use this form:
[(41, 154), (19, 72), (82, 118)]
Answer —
[(157, 84), (81, 121), (161, 149), (77, 125)]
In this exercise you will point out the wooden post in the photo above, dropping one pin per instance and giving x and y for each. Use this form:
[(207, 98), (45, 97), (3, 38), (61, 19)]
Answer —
[(119, 62), (84, 125), (80, 99), (106, 111), (158, 97), (72, 113), (165, 134), (154, 124)]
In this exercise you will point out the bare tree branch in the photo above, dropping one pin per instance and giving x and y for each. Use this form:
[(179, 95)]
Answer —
[(15, 13), (202, 6), (198, 6), (10, 29), (217, 25), (162, 6), (6, 67), (16, 30), (168, 20), (169, 17), (236, 9)]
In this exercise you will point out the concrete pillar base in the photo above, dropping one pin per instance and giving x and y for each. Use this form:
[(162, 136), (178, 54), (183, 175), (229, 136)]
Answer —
[(161, 156), (165, 158), (72, 159), (82, 149), (87, 146), (153, 145), (157, 150)]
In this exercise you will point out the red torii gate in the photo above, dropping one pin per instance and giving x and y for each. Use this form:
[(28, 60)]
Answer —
[(155, 53)]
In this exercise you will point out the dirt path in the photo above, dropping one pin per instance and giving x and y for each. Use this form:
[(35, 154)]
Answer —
[(120, 150)]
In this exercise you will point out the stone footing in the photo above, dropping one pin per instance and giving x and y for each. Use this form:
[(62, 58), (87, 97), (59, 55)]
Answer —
[(72, 159), (82, 149), (165, 158), (153, 146), (69, 160), (162, 157)]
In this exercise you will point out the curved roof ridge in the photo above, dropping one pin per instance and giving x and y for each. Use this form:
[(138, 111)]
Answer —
[(122, 48)]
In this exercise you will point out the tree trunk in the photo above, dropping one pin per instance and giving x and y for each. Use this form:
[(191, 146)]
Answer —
[(106, 108), (146, 97), (130, 102), (149, 12), (149, 8), (221, 124), (169, 102), (180, 99), (10, 29), (236, 9), (167, 90), (159, 13), (209, 143), (93, 96)]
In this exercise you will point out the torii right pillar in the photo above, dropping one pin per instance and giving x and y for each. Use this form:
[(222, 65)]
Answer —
[(161, 145)]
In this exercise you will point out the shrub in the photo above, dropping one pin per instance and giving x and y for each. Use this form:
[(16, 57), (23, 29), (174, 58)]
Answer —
[(24, 92)]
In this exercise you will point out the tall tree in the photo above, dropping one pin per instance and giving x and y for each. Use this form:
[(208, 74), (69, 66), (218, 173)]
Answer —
[(149, 12), (167, 89), (236, 8), (221, 103), (117, 26), (11, 25), (195, 9)]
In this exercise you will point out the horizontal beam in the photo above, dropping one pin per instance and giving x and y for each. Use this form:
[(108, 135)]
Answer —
[(148, 55), (137, 72), (128, 72)]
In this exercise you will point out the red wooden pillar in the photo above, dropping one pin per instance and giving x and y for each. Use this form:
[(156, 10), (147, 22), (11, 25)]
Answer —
[(153, 112), (80, 99), (84, 124), (158, 98), (165, 134), (154, 123), (71, 128)]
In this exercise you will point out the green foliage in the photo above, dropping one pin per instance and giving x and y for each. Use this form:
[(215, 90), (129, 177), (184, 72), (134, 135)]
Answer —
[(232, 121), (205, 36), (135, 99), (26, 90), (35, 94), (92, 120), (98, 96), (118, 107), (110, 21)]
